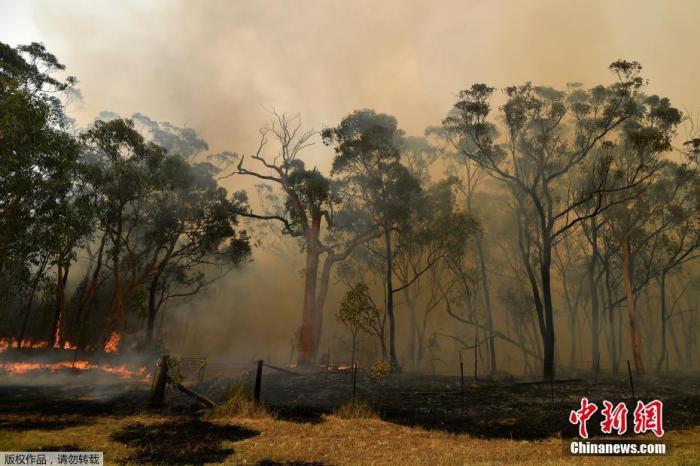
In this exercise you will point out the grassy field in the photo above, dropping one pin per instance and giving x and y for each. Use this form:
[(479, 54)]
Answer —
[(171, 439), (401, 421)]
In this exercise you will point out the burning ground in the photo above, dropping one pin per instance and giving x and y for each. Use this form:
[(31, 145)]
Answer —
[(32, 359), (412, 419)]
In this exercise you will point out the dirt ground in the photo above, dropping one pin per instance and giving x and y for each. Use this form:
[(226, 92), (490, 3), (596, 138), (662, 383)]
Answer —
[(419, 420)]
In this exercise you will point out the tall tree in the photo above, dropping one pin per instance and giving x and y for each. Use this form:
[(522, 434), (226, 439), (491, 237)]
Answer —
[(190, 233), (635, 161), (123, 171), (418, 228), (38, 160), (309, 203), (547, 136), (368, 155)]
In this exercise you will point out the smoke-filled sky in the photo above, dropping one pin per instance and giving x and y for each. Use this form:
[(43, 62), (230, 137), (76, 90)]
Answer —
[(215, 65)]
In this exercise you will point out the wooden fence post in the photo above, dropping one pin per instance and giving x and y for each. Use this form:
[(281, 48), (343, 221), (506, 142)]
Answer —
[(461, 371), (354, 380), (476, 346), (258, 382), (160, 378)]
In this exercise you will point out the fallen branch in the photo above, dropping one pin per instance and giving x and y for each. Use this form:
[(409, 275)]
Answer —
[(202, 399)]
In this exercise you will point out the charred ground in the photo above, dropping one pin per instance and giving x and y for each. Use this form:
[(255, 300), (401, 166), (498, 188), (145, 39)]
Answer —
[(181, 432)]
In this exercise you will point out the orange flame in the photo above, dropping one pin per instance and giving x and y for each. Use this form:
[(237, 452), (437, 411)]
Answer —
[(38, 344), (69, 346), (19, 368), (112, 345), (6, 343)]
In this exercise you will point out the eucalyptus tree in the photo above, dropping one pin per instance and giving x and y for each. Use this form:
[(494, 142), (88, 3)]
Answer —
[(368, 158), (168, 229), (310, 211), (441, 229), (547, 136), (45, 209), (190, 238), (674, 236), (439, 233), (122, 168), (637, 167), (362, 275), (357, 312), (471, 177), (383, 170)]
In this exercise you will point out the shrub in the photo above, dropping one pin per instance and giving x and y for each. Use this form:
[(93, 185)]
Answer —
[(379, 370), (356, 409)]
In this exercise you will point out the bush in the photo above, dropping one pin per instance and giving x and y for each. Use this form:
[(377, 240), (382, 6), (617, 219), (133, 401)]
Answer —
[(379, 370), (356, 409)]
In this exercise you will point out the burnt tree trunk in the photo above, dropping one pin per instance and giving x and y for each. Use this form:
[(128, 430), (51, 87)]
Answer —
[(311, 318), (393, 360), (548, 341), (664, 318), (631, 307), (593, 289), (61, 280), (30, 301), (152, 308), (487, 301)]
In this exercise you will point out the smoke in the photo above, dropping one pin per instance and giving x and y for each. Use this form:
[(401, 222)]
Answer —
[(216, 66)]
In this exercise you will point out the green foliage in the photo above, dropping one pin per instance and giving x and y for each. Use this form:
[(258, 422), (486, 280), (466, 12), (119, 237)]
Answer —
[(42, 203), (157, 212), (358, 312), (313, 192), (357, 309), (367, 150), (174, 369)]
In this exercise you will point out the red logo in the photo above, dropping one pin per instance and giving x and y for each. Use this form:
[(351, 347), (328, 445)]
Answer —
[(615, 419), (647, 417), (582, 416)]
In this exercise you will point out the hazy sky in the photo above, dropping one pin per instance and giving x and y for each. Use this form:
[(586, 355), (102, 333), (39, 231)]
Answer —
[(215, 65)]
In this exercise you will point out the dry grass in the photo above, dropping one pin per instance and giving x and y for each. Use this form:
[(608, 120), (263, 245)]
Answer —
[(332, 441), (239, 403), (356, 409)]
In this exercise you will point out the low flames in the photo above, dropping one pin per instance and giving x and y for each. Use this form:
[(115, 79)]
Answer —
[(6, 343), (112, 345), (9, 368), (20, 368)]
